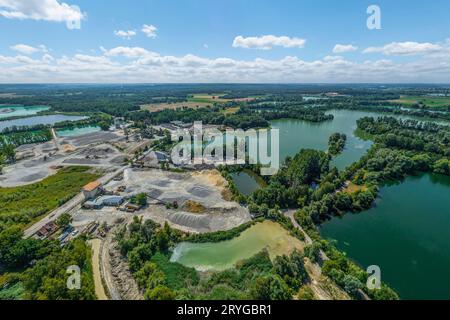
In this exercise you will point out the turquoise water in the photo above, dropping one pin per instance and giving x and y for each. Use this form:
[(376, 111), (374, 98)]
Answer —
[(75, 132), (9, 111), (32, 121)]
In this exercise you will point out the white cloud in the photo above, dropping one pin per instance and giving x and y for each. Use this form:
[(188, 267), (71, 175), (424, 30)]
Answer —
[(47, 10), (341, 48), (268, 42), (125, 34), (405, 48), (129, 52), (47, 58), (149, 30), (142, 66), (29, 50)]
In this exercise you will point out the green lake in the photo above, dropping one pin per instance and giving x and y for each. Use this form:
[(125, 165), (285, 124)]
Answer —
[(79, 131), (407, 234), (9, 111), (247, 182), (224, 255), (298, 134)]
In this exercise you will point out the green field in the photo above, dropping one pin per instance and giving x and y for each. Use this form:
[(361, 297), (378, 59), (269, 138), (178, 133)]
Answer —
[(207, 98), (432, 102), (26, 204)]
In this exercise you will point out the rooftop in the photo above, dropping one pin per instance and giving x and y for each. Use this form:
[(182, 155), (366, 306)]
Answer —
[(91, 186)]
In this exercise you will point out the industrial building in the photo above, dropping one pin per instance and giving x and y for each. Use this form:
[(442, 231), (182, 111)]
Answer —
[(91, 190), (109, 201)]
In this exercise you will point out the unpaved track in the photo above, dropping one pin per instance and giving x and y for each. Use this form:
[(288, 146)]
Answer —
[(99, 289)]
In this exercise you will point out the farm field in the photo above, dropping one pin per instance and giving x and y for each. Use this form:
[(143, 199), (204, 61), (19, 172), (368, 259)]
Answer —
[(437, 102), (156, 107), (208, 98), (196, 101)]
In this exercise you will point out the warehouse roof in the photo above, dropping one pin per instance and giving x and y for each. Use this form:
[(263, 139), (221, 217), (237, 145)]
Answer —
[(91, 186)]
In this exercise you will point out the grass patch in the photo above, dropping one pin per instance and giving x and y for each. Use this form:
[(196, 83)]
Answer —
[(231, 110), (25, 204), (352, 188), (177, 276), (13, 292)]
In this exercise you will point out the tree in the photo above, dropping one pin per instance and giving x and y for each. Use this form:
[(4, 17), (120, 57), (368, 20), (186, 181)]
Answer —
[(47, 279), (104, 125), (270, 287), (162, 241), (352, 285), (291, 269), (138, 255), (306, 167), (384, 293), (305, 293), (442, 166), (363, 200), (148, 229), (64, 221), (7, 152), (149, 277), (140, 199), (2, 162), (312, 252), (160, 293), (336, 143)]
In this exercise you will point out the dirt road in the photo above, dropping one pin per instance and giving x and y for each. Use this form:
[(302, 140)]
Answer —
[(99, 289)]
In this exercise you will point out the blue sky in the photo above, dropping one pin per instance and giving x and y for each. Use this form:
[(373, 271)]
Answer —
[(37, 46)]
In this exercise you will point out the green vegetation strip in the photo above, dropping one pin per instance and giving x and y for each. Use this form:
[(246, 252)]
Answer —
[(25, 204)]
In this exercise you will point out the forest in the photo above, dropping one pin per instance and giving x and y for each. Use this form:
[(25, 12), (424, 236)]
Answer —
[(36, 269)]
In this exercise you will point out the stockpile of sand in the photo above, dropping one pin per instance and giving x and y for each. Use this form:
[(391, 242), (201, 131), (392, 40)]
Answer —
[(68, 148), (211, 177)]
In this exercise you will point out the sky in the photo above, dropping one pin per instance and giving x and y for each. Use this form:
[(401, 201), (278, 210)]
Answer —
[(224, 41)]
